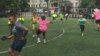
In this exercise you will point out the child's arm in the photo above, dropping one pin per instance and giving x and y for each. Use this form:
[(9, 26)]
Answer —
[(30, 22), (87, 21)]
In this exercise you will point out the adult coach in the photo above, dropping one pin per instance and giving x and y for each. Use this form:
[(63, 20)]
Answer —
[(19, 33), (96, 15)]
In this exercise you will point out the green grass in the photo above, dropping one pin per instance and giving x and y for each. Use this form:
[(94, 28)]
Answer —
[(69, 44)]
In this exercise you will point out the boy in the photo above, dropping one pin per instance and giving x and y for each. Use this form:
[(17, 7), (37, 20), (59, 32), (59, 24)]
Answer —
[(82, 22)]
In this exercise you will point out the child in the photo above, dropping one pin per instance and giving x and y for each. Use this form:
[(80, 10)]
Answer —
[(82, 22), (54, 16), (96, 15), (61, 16), (34, 24), (43, 26)]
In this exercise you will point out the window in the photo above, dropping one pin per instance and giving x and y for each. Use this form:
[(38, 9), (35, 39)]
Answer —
[(41, 0), (76, 4)]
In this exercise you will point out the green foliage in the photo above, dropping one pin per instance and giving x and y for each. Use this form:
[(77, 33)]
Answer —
[(90, 3), (98, 3), (85, 3), (13, 3)]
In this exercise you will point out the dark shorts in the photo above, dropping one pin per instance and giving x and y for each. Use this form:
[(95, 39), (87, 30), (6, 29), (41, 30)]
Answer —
[(98, 21), (17, 45), (61, 19), (54, 18), (82, 27), (38, 31)]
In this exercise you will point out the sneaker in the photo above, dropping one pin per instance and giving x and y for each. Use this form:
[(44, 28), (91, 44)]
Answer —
[(33, 35), (38, 40), (44, 41), (82, 34)]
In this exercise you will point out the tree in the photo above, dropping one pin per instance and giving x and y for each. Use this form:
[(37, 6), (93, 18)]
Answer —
[(13, 3), (98, 3), (90, 3)]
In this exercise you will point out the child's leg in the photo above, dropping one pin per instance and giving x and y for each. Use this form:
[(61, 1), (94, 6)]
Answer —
[(98, 24), (82, 27), (44, 37), (38, 32), (67, 16), (33, 30), (54, 19), (61, 20)]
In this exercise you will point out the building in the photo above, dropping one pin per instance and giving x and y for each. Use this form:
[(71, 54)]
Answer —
[(75, 4), (37, 3)]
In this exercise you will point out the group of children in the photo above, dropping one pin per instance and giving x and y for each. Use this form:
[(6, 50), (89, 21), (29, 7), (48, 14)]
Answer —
[(39, 25), (95, 15), (56, 16), (18, 31), (82, 21)]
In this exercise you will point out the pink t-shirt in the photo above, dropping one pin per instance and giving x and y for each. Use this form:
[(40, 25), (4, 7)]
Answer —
[(43, 24), (96, 15)]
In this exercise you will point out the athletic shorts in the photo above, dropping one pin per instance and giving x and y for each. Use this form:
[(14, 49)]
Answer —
[(98, 21), (17, 45), (39, 31), (35, 26), (54, 18), (61, 19), (82, 27)]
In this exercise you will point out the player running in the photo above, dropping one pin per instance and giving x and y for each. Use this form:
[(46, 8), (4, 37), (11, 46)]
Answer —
[(43, 26), (19, 32), (82, 22), (96, 15), (61, 16), (54, 16), (34, 24)]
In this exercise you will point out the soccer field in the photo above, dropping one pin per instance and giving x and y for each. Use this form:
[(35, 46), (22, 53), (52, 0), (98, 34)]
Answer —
[(62, 40)]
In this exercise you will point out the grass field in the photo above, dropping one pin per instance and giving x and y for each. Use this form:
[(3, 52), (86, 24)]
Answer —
[(62, 40)]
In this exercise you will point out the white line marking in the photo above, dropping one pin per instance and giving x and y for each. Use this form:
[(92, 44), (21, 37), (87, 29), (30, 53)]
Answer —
[(59, 36)]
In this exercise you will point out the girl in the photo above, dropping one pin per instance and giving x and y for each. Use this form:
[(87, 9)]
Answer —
[(96, 15), (42, 29)]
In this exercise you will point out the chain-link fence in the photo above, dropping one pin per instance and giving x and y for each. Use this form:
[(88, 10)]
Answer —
[(75, 12), (86, 12)]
